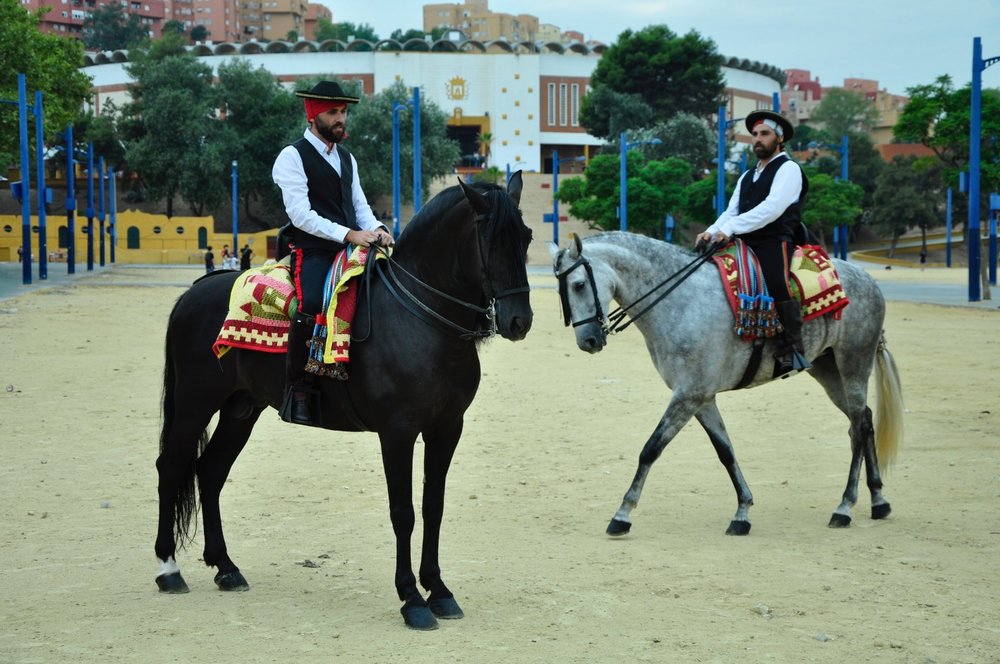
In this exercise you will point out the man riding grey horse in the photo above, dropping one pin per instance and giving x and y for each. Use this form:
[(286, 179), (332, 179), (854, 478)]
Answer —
[(765, 212)]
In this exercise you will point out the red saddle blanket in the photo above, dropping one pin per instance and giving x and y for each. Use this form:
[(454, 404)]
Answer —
[(813, 281), (263, 301)]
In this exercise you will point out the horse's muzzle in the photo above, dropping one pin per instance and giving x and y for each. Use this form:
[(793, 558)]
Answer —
[(591, 338)]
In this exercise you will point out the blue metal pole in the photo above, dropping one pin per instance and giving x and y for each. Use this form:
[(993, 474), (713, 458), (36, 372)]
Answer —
[(843, 176), (947, 239), (100, 213), (720, 182), (43, 244), (90, 207), (112, 210), (974, 132), (417, 182), (236, 232), (70, 201), (22, 109), (395, 170), (623, 185), (993, 248), (776, 102), (555, 197)]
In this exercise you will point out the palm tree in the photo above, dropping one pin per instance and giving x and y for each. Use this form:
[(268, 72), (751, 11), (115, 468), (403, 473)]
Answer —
[(484, 145)]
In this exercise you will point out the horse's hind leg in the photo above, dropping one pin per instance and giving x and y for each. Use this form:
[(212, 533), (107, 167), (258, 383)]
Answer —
[(711, 421), (676, 416), (849, 394), (236, 421)]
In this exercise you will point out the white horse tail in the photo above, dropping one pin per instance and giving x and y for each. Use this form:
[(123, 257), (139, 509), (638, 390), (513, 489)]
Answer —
[(889, 406)]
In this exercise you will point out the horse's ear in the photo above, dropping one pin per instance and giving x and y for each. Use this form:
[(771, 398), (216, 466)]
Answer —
[(576, 248), (514, 186), (479, 202)]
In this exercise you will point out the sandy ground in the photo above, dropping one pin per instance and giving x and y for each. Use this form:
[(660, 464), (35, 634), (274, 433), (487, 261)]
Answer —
[(549, 448)]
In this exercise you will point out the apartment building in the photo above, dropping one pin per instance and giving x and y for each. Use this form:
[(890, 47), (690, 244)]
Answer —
[(66, 16), (477, 22)]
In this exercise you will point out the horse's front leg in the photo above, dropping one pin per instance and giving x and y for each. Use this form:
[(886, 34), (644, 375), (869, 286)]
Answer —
[(711, 420), (439, 448), (678, 413), (397, 462)]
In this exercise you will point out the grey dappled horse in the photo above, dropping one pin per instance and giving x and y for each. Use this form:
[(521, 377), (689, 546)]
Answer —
[(690, 338)]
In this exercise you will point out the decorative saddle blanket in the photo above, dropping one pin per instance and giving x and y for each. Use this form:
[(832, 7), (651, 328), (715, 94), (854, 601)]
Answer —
[(813, 281), (263, 301)]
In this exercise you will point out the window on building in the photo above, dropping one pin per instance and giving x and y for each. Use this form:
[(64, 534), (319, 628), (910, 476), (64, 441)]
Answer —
[(552, 104), (574, 105), (563, 120)]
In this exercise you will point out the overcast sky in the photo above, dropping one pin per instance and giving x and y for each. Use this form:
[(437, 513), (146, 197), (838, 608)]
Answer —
[(899, 43)]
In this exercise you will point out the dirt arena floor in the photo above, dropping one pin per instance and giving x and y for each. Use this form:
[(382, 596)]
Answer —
[(550, 446)]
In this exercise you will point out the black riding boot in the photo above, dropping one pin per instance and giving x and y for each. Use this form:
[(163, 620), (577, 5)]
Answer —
[(790, 358), (297, 406)]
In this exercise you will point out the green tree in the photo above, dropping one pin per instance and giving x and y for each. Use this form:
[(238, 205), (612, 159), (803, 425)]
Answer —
[(343, 31), (200, 33), (683, 136), (110, 27), (670, 73), (654, 189), (403, 37), (863, 163), (938, 116), (174, 27), (102, 130), (605, 113), (50, 64), (830, 203), (844, 112), (698, 206), (261, 117), (902, 201), (174, 152), (370, 129)]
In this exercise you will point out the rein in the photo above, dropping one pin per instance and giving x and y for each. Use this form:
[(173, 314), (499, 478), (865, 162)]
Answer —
[(614, 322)]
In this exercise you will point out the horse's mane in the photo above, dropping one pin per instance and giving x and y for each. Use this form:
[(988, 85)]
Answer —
[(641, 245), (442, 203)]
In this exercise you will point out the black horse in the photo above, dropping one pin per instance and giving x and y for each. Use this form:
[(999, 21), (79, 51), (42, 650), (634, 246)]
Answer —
[(457, 273)]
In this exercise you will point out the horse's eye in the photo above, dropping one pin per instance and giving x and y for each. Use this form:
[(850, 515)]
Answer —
[(578, 286)]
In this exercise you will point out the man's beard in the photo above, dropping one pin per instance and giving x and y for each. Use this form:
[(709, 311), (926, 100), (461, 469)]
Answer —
[(762, 152), (332, 133)]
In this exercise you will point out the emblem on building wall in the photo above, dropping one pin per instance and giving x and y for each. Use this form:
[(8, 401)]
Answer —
[(455, 88)]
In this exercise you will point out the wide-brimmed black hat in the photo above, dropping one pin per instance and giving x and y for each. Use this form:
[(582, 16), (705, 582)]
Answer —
[(328, 91), (787, 130)]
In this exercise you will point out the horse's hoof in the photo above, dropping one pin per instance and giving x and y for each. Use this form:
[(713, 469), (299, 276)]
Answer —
[(445, 608), (231, 581), (738, 528), (881, 511), (172, 583), (839, 520), (418, 616), (617, 527)]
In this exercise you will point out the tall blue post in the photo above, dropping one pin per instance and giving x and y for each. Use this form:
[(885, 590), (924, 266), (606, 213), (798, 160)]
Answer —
[(720, 182), (43, 255), (994, 207), (90, 207), (623, 186), (776, 102), (974, 137), (112, 211), (70, 202), (100, 212), (236, 233), (22, 108), (396, 186), (555, 197), (417, 182), (947, 227), (843, 176)]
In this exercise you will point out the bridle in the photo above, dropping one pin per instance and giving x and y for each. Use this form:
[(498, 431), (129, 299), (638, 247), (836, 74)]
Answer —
[(616, 320), (415, 306)]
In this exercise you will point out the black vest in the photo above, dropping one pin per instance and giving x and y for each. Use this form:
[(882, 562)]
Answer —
[(329, 194), (753, 194)]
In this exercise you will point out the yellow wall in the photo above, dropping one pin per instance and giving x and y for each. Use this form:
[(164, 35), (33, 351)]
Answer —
[(161, 240)]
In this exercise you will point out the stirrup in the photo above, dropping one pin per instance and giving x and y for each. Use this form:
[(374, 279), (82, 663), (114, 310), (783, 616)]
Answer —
[(790, 364), (295, 411)]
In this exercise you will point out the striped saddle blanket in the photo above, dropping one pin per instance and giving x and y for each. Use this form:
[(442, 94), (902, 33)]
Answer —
[(813, 281)]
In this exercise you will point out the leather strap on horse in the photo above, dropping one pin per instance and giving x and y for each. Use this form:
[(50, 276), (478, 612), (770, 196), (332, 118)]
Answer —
[(615, 317)]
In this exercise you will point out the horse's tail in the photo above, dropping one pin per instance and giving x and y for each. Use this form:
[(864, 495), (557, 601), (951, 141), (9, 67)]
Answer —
[(185, 504), (888, 405)]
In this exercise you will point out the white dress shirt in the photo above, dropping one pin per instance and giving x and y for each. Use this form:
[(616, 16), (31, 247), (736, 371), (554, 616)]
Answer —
[(785, 190), (289, 174)]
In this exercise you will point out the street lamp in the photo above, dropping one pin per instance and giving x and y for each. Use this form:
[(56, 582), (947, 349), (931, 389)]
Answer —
[(234, 175), (720, 176), (415, 104), (623, 180), (840, 231), (555, 190)]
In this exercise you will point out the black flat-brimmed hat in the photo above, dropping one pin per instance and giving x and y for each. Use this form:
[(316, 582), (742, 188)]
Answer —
[(787, 130), (328, 91)]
